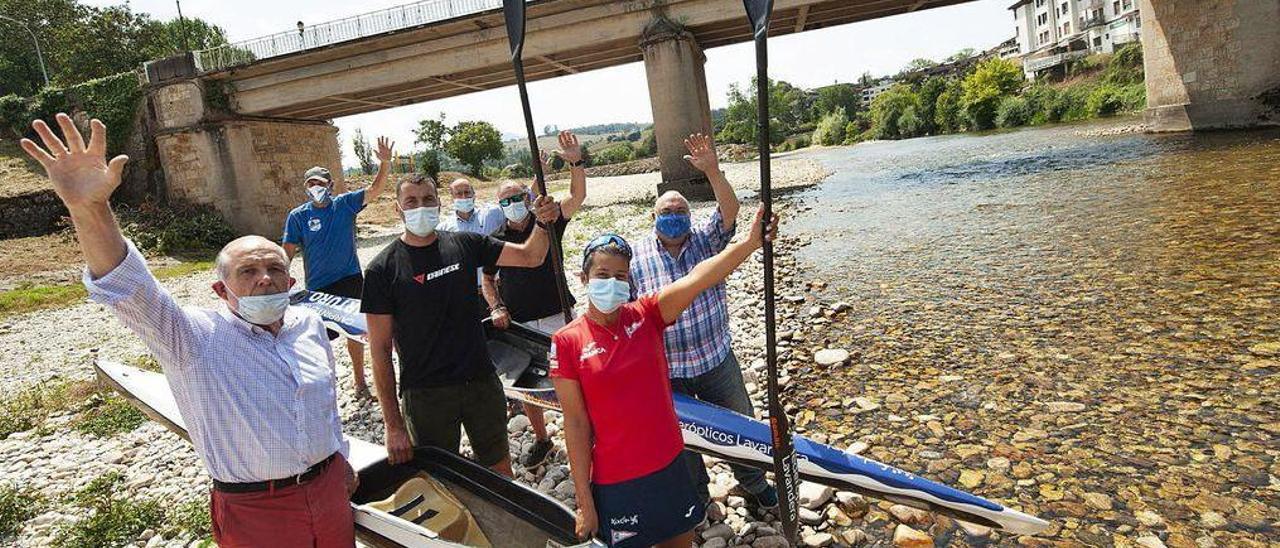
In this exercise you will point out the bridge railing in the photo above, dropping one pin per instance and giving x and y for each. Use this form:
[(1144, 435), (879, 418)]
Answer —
[(335, 32)]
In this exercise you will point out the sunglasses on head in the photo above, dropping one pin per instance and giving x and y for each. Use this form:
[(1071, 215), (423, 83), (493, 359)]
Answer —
[(514, 198), (602, 241)]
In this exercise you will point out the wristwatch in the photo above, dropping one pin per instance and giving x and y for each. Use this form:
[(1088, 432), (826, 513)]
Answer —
[(578, 163), (542, 225)]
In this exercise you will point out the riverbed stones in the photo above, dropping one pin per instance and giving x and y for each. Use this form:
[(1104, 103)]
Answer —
[(817, 540), (909, 515), (906, 537), (813, 495), (831, 356), (719, 530)]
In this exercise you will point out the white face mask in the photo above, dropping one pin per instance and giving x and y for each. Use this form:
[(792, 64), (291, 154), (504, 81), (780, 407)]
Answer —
[(464, 205), (422, 221), (516, 212), (261, 309), (319, 194)]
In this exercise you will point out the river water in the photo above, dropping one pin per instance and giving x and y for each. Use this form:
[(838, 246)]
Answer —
[(1086, 327)]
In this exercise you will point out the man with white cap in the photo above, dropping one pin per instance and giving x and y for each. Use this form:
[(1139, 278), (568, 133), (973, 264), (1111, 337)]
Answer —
[(325, 229)]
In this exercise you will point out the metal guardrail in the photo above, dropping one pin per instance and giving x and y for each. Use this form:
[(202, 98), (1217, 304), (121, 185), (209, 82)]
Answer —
[(335, 32)]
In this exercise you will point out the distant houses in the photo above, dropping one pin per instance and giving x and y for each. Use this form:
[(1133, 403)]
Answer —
[(1050, 33)]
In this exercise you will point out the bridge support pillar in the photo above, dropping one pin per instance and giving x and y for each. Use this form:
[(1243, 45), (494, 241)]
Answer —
[(673, 63), (249, 169), (1211, 67)]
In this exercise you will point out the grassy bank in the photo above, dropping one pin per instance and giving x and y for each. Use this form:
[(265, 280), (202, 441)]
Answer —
[(33, 297)]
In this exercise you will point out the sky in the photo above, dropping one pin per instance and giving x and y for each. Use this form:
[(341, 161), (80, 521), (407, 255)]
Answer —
[(620, 94)]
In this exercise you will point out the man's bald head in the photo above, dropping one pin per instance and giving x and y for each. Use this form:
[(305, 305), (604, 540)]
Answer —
[(671, 202), (251, 246), (461, 189)]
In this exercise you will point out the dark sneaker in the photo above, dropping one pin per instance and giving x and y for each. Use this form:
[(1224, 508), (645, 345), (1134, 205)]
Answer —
[(764, 502), (538, 454)]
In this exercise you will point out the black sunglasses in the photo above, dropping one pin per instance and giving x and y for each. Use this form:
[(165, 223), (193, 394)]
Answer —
[(511, 199)]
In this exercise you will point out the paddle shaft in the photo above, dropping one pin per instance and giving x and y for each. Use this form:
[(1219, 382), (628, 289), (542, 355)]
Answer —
[(785, 470), (539, 180)]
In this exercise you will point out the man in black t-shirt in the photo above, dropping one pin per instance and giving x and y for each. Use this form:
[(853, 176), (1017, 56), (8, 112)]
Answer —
[(528, 295), (419, 296)]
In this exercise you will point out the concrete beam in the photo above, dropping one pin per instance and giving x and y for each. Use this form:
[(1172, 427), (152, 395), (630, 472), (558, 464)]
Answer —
[(548, 60), (802, 18)]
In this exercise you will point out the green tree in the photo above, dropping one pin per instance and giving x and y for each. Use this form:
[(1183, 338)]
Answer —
[(948, 113), (929, 91), (472, 142), (432, 133), (364, 152), (959, 55), (887, 110), (831, 128), (838, 96), (990, 82), (551, 130), (919, 64), (786, 111)]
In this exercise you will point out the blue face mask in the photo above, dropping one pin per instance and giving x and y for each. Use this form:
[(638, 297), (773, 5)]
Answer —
[(607, 294), (261, 309), (464, 205), (673, 225)]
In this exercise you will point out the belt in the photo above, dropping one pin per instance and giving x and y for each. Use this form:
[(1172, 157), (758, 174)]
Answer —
[(307, 475)]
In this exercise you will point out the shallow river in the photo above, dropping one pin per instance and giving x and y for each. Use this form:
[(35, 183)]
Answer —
[(1084, 326)]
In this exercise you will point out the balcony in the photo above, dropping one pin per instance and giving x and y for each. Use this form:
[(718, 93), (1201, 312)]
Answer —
[(1037, 64)]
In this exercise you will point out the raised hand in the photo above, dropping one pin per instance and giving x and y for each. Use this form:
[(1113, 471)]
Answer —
[(80, 173), (757, 229), (570, 150), (386, 148), (702, 153)]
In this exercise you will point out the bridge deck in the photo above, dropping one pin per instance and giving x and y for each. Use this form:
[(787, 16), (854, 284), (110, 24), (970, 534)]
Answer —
[(469, 53)]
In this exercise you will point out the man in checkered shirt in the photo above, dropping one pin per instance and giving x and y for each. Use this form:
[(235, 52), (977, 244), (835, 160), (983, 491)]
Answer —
[(253, 379), (699, 348)]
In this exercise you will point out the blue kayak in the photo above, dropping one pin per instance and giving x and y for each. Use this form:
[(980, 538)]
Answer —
[(520, 356)]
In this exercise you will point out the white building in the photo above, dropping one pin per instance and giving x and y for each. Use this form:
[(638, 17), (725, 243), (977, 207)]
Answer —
[(874, 90), (1051, 32)]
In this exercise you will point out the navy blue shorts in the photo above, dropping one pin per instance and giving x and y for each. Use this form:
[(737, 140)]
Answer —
[(650, 509)]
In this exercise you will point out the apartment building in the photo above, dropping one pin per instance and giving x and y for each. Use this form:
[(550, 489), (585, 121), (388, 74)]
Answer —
[(1051, 32)]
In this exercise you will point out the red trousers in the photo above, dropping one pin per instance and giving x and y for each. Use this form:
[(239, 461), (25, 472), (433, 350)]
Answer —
[(316, 514)]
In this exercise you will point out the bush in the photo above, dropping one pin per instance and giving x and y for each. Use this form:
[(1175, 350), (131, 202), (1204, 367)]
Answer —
[(175, 229), (910, 124), (428, 163), (29, 407), (801, 141), (1039, 99), (831, 128), (615, 154), (1013, 111), (113, 99), (1105, 100), (648, 146), (189, 518), (1125, 65), (1069, 105), (13, 114), (16, 507), (851, 133), (986, 86)]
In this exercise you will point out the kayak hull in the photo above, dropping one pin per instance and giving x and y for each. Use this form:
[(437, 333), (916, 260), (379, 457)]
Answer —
[(520, 356)]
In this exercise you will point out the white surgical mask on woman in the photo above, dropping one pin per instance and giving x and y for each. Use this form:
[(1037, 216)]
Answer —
[(422, 221), (607, 294), (261, 309)]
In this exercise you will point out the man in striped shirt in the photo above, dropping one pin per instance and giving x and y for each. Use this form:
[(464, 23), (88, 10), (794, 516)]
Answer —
[(254, 379), (699, 349)]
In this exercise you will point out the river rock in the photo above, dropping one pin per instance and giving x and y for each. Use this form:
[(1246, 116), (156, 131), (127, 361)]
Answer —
[(909, 515), (775, 541), (817, 540), (853, 537), (719, 530), (813, 495), (837, 517), (1148, 518), (715, 543), (517, 424), (1065, 407), (974, 530), (1150, 541), (853, 504), (809, 516), (831, 356), (906, 537), (1097, 501)]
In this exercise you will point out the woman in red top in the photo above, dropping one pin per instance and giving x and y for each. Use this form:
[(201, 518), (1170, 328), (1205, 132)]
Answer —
[(610, 371)]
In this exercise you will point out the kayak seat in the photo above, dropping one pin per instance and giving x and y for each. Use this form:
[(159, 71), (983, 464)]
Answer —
[(427, 502), (509, 361)]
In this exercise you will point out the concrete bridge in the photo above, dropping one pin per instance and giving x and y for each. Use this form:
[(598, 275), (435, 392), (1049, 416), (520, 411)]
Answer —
[(235, 127)]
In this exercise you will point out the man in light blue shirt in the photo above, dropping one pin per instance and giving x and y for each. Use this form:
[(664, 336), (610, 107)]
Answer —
[(467, 215), (325, 229)]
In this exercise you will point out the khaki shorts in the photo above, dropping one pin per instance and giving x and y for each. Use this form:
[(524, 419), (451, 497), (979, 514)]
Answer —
[(433, 415)]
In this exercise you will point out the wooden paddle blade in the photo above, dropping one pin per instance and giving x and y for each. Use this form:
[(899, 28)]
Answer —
[(758, 11), (514, 12)]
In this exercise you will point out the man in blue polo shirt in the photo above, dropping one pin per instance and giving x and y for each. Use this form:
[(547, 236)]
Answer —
[(325, 229)]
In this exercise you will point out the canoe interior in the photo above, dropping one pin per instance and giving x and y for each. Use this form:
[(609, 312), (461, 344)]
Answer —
[(509, 514)]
